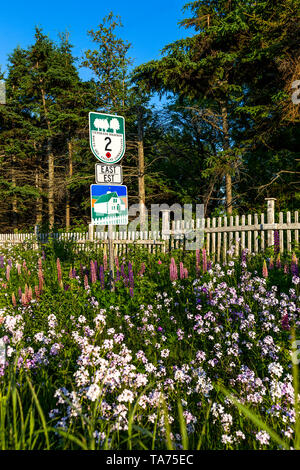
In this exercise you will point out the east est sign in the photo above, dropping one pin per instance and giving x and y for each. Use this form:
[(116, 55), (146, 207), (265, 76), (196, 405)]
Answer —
[(108, 174), (107, 137)]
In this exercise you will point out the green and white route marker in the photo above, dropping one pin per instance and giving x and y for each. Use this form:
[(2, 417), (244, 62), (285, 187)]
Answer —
[(107, 137)]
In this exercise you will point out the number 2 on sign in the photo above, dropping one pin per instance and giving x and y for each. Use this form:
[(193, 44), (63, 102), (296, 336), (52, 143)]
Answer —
[(108, 143)]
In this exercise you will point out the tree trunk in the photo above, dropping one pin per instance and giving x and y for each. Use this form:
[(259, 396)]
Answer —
[(70, 174), (141, 174), (51, 210), (39, 200), (14, 197), (228, 181), (50, 156), (38, 185)]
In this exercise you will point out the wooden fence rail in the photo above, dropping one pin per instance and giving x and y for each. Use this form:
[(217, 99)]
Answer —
[(218, 234)]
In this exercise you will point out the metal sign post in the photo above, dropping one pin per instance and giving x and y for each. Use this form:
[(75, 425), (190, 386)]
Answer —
[(109, 204)]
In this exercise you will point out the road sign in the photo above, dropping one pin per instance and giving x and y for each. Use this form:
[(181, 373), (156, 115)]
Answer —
[(109, 204), (2, 93), (105, 174), (107, 137)]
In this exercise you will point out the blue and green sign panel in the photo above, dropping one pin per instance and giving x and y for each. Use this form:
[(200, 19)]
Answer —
[(109, 205)]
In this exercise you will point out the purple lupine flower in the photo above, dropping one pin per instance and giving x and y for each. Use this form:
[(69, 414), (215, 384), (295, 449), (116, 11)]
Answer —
[(1, 261), (204, 260), (96, 268), (130, 275), (123, 271), (43, 255), (117, 274), (244, 257), (9, 262), (102, 278), (209, 265), (73, 273), (276, 242), (20, 292), (285, 322), (294, 265), (131, 291)]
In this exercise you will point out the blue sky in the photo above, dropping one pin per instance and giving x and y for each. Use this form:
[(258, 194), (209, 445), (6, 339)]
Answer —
[(149, 26)]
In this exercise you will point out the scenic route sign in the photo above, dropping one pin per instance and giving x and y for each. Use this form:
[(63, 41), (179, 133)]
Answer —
[(107, 137), (109, 205), (105, 174)]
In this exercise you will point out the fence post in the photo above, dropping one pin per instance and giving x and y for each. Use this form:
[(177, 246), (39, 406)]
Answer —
[(36, 236), (165, 223), (91, 232), (270, 218)]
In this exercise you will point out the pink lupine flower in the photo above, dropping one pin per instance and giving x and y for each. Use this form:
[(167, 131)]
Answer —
[(181, 268), (13, 298), (142, 270), (271, 263), (93, 272), (59, 273), (37, 292), (197, 261), (86, 282), (185, 273), (19, 269), (117, 261), (265, 270), (24, 299), (278, 262), (173, 270), (105, 262), (7, 272), (29, 294), (286, 268), (24, 265), (71, 273), (20, 292)]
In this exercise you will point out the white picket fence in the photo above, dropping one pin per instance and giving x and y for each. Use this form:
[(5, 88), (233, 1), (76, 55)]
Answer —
[(219, 234)]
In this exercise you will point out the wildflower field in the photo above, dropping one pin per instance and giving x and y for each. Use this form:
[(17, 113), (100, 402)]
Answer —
[(183, 354)]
